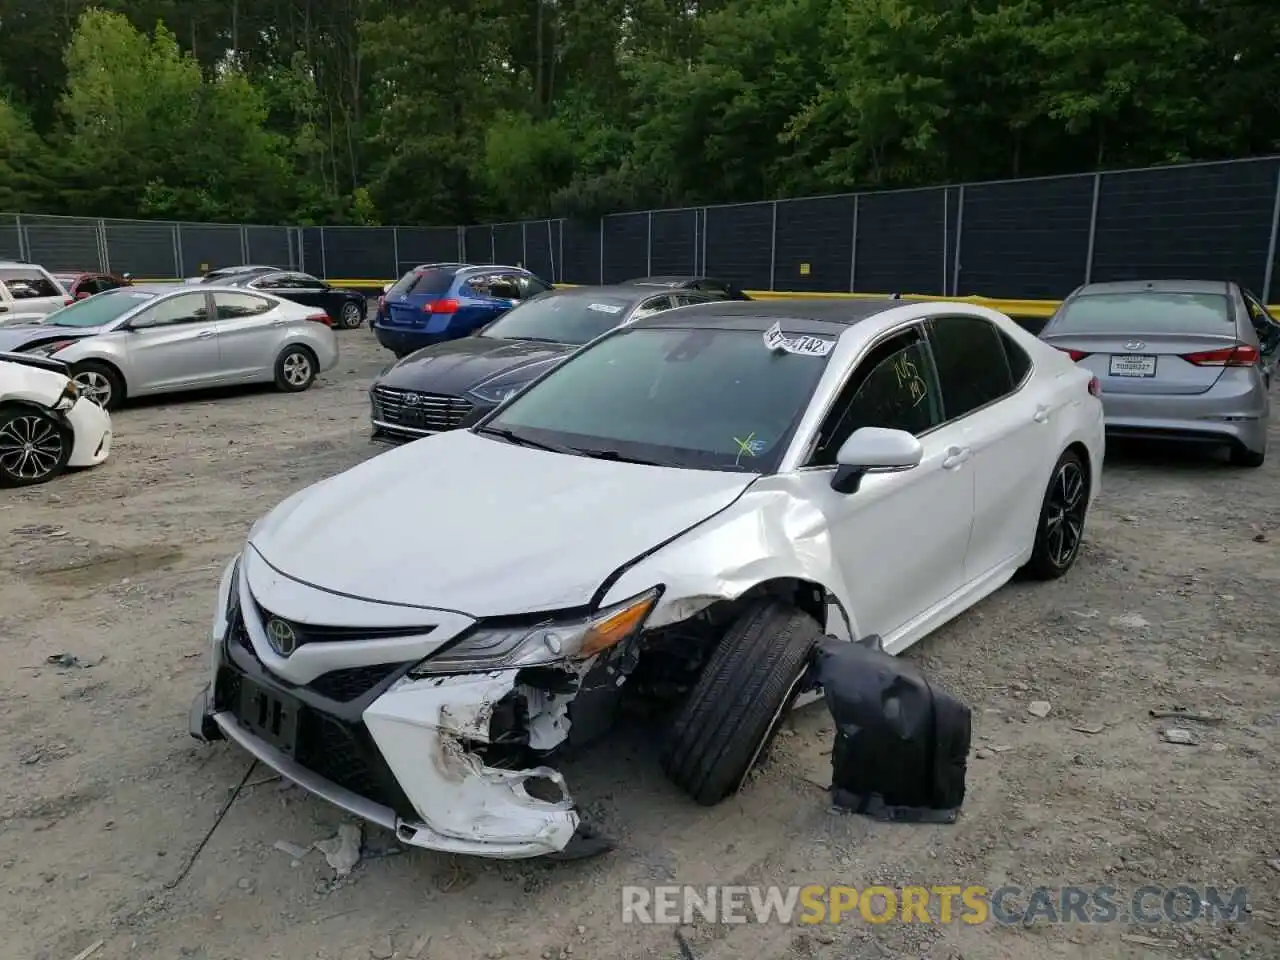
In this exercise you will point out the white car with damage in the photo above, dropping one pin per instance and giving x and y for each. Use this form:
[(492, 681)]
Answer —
[(682, 509), (46, 425)]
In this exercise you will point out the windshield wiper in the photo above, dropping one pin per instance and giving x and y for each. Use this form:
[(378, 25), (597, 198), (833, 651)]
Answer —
[(614, 456), (536, 339), (522, 441)]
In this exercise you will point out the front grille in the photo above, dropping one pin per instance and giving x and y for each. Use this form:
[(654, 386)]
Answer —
[(346, 685), (419, 411), (341, 752), (318, 633)]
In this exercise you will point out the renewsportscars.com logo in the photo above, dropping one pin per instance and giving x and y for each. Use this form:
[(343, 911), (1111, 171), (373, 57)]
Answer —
[(945, 904)]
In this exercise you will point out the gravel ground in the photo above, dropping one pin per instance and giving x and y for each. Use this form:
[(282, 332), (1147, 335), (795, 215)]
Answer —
[(104, 798)]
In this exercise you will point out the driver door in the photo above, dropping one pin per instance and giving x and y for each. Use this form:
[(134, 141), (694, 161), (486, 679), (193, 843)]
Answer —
[(899, 542), (173, 345)]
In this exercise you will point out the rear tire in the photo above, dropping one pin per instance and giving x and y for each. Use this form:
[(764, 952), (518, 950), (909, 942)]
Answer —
[(730, 717), (34, 447), (99, 383), (1242, 456), (351, 315), (1060, 529), (295, 369)]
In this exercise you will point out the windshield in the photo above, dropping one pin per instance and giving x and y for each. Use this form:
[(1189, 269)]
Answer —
[(1134, 313), (571, 318), (99, 310), (702, 399)]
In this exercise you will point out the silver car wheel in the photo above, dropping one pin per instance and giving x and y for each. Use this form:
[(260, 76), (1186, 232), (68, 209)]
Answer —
[(351, 316), (94, 386), (30, 448), (297, 369)]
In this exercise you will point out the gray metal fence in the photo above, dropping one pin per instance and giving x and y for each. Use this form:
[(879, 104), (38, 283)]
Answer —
[(1017, 239)]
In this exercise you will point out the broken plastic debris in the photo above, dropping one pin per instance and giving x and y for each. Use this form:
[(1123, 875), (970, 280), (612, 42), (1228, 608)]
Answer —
[(292, 849), (1179, 736), (343, 851), (1039, 708)]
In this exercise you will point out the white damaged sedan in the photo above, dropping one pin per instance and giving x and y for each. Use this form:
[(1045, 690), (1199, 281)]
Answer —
[(46, 425), (681, 510)]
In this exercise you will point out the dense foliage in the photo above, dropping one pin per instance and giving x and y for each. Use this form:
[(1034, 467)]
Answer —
[(447, 111)]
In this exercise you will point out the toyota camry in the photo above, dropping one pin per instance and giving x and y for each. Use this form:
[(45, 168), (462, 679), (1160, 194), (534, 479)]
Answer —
[(680, 510)]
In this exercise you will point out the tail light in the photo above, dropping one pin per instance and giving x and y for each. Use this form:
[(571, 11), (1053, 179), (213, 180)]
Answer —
[(441, 306), (1241, 355), (382, 302), (1095, 387), (1075, 355), (322, 318)]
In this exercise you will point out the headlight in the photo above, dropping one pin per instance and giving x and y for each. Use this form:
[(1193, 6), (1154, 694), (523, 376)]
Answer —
[(504, 648), (49, 349), (67, 399), (233, 592), (500, 394)]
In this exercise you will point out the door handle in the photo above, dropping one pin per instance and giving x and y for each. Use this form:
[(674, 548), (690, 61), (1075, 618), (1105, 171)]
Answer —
[(955, 457), (1041, 415), (204, 334), (279, 322)]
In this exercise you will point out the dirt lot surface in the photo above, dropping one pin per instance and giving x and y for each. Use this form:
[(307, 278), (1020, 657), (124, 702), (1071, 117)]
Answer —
[(104, 797)]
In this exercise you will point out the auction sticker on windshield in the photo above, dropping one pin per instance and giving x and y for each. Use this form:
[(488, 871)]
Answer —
[(805, 346), (604, 307)]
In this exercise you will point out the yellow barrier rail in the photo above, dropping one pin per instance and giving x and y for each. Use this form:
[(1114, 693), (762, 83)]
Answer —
[(1014, 308)]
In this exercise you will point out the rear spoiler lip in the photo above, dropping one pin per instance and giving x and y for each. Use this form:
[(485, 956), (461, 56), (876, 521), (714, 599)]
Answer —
[(39, 363)]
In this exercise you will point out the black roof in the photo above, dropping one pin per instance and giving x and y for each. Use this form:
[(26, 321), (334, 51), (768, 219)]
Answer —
[(817, 315)]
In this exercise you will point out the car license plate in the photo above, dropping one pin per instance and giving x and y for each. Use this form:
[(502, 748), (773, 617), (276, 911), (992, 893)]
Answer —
[(1133, 366), (269, 716)]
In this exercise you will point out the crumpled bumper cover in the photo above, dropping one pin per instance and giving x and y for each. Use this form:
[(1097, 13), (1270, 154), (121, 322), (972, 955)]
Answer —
[(425, 731)]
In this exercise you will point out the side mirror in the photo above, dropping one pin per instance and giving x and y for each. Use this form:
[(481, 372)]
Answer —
[(874, 450), (386, 288), (82, 295)]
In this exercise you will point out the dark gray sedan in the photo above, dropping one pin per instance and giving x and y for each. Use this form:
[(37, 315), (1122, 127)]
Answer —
[(452, 384)]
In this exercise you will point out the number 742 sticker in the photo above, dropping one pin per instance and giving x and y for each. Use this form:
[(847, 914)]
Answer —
[(804, 346)]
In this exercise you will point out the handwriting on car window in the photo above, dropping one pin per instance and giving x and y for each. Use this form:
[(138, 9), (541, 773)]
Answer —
[(909, 379)]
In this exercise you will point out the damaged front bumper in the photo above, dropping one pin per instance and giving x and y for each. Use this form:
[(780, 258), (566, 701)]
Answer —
[(411, 755)]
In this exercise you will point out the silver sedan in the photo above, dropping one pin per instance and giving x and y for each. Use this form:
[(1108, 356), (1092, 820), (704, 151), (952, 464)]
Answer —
[(149, 339)]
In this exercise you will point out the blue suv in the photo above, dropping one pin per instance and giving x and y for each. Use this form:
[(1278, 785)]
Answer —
[(444, 301)]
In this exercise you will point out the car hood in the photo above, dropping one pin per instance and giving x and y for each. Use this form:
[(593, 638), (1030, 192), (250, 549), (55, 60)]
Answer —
[(22, 335), (456, 366), (473, 524)]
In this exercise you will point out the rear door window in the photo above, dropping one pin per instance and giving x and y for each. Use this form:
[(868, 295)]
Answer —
[(973, 370), (28, 284), (1144, 312), (651, 306), (531, 286), (232, 306)]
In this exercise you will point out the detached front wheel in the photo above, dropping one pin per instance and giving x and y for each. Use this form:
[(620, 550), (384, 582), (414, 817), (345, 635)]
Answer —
[(737, 705)]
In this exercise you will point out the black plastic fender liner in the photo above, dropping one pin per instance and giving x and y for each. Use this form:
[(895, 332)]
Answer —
[(901, 746)]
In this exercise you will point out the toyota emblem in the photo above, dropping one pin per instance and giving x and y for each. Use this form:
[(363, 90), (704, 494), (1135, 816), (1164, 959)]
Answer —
[(1135, 345), (282, 637), (412, 399)]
